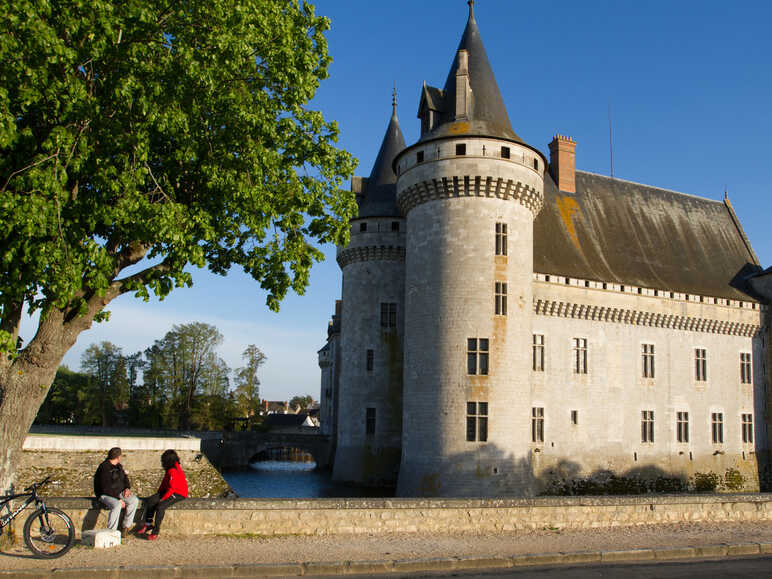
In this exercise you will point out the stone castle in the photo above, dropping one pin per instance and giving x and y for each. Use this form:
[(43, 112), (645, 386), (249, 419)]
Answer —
[(508, 322)]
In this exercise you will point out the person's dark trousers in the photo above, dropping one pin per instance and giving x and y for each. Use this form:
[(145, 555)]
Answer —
[(155, 506)]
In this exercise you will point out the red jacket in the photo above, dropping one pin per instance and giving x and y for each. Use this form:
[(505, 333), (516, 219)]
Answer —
[(174, 483)]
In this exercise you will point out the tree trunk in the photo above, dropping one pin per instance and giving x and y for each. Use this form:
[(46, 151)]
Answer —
[(24, 387), (25, 381)]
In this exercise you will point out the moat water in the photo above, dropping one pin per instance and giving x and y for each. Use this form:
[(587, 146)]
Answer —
[(292, 480)]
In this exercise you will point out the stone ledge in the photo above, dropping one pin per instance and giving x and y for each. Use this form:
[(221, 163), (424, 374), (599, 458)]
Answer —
[(759, 499), (279, 517)]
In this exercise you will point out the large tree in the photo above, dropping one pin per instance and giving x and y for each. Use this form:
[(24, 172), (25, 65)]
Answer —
[(152, 135), (183, 365), (247, 382), (106, 366)]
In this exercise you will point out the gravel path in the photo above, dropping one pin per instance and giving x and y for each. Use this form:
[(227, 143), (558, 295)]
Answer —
[(212, 550)]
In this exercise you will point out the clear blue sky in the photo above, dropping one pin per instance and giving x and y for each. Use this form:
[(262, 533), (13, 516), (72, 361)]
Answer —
[(689, 82)]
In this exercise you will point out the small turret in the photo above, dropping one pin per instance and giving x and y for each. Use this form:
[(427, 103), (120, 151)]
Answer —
[(379, 191), (470, 85), (370, 384)]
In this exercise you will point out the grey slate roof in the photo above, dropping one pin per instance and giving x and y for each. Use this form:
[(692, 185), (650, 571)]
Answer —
[(488, 114), (617, 231), (380, 196)]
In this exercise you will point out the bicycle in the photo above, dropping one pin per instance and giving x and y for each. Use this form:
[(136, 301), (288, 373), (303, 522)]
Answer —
[(48, 531)]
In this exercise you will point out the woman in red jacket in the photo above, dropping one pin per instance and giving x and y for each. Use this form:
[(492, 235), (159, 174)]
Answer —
[(173, 489)]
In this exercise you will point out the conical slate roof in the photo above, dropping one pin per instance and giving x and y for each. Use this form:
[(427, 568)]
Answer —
[(488, 115), (380, 196)]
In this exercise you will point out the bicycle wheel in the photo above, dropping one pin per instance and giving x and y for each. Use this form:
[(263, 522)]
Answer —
[(49, 534)]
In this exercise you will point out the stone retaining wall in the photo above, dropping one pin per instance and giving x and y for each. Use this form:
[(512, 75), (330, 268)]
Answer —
[(375, 516)]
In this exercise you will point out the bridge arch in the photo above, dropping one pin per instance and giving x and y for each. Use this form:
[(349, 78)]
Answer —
[(240, 447)]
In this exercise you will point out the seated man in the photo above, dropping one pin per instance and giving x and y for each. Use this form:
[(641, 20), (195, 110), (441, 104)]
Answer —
[(113, 489)]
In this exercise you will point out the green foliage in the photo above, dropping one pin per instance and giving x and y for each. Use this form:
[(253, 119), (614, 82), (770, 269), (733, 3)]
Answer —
[(171, 132), (181, 366), (301, 401), (106, 366), (180, 383), (733, 480), (248, 384), (605, 483), (69, 400), (706, 481)]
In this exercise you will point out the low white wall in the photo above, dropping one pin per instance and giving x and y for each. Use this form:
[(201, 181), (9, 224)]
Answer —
[(78, 443)]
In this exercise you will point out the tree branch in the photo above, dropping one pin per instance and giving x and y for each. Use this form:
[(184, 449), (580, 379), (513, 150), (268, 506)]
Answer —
[(35, 164), (142, 277)]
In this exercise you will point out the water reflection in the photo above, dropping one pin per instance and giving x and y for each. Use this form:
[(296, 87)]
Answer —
[(292, 480)]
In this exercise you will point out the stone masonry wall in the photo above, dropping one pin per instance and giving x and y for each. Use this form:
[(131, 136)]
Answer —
[(373, 516), (72, 472)]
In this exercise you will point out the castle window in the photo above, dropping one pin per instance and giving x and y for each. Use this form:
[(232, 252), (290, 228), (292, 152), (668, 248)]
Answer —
[(419, 157), (682, 426), (647, 354), (647, 426), (536, 164), (395, 225), (747, 426), (476, 421), (370, 421), (700, 365), (388, 315), (745, 368), (500, 300), (537, 424), (538, 353), (460, 149), (717, 427), (505, 152), (501, 239), (369, 360), (363, 226), (574, 417), (580, 355), (477, 356)]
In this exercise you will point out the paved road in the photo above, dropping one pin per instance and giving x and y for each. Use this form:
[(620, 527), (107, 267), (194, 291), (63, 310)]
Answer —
[(742, 567)]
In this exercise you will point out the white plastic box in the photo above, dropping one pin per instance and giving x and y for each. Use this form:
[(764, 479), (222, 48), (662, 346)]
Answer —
[(101, 538)]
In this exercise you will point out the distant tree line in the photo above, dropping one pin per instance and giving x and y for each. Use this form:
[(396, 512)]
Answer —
[(178, 383)]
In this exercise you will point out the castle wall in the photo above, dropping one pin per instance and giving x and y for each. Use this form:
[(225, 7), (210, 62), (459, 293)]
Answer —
[(451, 269), (373, 274), (610, 397)]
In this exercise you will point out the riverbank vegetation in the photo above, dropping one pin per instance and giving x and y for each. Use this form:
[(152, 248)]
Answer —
[(178, 382)]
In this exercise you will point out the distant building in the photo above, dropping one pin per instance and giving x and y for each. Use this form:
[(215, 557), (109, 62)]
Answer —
[(509, 322)]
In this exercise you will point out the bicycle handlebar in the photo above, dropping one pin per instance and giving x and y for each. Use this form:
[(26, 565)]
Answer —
[(35, 486)]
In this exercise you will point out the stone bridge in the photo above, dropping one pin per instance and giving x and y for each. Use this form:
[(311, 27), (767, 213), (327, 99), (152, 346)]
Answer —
[(237, 449)]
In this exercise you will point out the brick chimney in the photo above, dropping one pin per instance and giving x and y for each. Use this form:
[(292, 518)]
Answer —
[(563, 163)]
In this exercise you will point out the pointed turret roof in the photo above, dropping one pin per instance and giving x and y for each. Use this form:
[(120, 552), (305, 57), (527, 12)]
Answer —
[(380, 196), (488, 115)]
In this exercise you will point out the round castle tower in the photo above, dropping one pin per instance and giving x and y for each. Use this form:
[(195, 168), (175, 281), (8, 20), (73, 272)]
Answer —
[(470, 189), (373, 265)]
